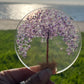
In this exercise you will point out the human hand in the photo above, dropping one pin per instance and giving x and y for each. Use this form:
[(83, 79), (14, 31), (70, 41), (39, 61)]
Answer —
[(33, 76)]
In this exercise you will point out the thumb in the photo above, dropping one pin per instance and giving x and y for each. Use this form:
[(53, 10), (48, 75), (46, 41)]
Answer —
[(40, 78)]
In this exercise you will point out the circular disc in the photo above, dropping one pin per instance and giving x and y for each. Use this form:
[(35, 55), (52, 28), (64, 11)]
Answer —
[(47, 35)]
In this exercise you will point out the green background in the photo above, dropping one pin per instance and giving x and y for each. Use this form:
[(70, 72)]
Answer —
[(9, 60)]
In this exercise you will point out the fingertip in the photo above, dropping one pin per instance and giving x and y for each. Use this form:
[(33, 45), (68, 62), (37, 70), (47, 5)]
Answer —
[(36, 68)]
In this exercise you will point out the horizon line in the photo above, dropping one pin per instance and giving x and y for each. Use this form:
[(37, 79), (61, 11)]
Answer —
[(42, 2)]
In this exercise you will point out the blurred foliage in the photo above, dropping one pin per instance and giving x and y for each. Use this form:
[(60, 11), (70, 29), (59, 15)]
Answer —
[(9, 60)]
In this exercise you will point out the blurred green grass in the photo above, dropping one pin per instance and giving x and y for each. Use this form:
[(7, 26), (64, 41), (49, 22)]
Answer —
[(9, 60)]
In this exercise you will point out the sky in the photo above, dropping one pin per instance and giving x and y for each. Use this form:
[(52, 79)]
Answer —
[(71, 2)]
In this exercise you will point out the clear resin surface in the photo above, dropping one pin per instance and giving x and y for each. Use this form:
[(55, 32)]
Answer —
[(47, 35)]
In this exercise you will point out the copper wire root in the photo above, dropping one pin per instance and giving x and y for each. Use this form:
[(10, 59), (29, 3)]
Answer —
[(51, 66)]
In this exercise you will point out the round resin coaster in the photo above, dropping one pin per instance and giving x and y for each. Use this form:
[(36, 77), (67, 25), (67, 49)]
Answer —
[(49, 38)]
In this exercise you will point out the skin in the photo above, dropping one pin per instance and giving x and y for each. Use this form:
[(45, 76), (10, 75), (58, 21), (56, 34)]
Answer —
[(33, 76)]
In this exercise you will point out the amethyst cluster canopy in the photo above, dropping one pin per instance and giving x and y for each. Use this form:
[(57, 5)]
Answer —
[(42, 21)]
